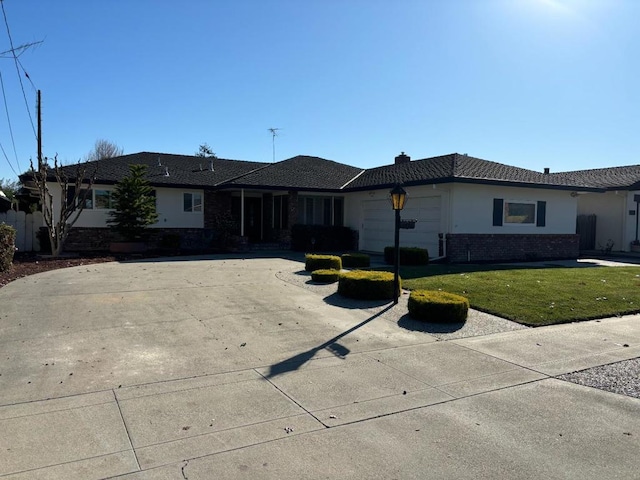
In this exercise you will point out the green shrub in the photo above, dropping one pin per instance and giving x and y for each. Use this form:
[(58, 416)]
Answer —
[(366, 285), (355, 260), (325, 275), (7, 246), (437, 306), (323, 238), (408, 255), (318, 262)]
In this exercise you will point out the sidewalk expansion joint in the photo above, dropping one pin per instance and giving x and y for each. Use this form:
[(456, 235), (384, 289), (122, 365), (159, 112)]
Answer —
[(126, 428)]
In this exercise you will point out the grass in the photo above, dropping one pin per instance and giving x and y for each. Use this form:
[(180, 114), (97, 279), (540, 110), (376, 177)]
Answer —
[(535, 296)]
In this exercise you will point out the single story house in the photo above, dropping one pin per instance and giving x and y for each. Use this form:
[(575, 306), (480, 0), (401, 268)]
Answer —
[(467, 209)]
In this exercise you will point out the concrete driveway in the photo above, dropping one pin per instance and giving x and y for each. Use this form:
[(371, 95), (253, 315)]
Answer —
[(221, 367)]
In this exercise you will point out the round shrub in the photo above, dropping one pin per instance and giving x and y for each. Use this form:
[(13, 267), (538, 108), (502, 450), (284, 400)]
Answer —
[(314, 262), (366, 285), (325, 275), (355, 260), (408, 255), (437, 306)]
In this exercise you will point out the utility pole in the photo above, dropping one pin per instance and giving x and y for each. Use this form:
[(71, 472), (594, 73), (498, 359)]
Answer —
[(39, 109)]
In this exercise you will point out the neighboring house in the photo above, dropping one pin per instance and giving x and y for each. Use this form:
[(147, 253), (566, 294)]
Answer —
[(468, 209), (609, 218), (5, 203)]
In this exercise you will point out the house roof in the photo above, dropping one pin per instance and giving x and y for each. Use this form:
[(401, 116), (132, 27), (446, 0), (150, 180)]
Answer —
[(612, 178), (183, 170), (301, 172), (319, 174), (459, 168)]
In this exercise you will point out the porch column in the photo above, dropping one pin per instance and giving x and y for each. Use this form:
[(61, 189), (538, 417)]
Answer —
[(242, 212)]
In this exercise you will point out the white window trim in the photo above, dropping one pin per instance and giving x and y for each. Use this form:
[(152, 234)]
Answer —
[(193, 210), (519, 224)]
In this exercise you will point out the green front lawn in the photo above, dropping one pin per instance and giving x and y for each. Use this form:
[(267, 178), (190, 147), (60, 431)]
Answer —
[(535, 296)]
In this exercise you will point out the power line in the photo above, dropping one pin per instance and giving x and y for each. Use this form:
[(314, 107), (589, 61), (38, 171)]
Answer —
[(5, 156), (6, 107), (15, 58)]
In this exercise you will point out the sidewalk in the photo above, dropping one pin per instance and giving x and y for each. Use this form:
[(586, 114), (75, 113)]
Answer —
[(224, 368)]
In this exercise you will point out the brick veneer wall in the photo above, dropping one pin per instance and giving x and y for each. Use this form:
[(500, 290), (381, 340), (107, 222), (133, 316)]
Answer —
[(464, 247), (215, 203), (83, 239)]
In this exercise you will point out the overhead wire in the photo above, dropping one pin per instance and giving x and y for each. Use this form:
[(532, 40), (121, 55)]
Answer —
[(15, 58), (6, 107)]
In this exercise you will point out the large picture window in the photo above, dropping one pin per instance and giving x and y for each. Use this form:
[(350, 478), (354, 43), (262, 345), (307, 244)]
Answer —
[(520, 212), (321, 210), (516, 212)]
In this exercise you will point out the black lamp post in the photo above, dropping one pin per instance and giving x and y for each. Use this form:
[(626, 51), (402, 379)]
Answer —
[(398, 198)]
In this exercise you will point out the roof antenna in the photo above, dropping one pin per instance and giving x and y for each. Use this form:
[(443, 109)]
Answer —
[(274, 134), (166, 171)]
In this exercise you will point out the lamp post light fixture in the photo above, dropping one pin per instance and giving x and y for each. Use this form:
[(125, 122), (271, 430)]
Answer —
[(398, 197)]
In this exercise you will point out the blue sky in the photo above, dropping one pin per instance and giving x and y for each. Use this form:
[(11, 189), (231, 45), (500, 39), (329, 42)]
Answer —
[(531, 83)]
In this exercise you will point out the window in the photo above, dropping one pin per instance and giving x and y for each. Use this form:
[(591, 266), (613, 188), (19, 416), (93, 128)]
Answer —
[(518, 212), (321, 211), (103, 199), (280, 212), (87, 195), (192, 202)]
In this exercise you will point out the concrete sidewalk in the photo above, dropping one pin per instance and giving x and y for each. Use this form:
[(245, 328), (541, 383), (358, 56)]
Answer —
[(221, 367)]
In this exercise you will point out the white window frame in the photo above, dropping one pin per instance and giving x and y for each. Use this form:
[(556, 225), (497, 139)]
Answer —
[(521, 202), (195, 208)]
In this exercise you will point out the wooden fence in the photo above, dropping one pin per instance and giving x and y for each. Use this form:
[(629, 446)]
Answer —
[(27, 226)]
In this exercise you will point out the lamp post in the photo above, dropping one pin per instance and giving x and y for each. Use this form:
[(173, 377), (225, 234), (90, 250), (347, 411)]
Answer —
[(398, 198)]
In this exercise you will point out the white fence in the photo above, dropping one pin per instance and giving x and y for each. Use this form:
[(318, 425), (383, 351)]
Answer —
[(26, 225)]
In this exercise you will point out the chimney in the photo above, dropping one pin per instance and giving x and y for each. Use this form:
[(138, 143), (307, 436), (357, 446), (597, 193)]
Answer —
[(546, 170), (402, 158)]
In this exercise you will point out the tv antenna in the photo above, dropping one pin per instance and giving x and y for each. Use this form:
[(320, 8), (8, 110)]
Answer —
[(274, 134)]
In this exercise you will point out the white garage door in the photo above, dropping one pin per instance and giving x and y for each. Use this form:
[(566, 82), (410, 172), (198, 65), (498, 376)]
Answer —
[(379, 218)]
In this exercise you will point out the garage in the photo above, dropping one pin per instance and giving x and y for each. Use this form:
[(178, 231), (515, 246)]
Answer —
[(378, 224)]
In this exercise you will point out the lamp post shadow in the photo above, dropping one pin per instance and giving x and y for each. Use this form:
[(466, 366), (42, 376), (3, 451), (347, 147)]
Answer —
[(332, 345)]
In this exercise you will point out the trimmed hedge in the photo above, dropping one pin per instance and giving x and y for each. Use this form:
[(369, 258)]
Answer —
[(325, 275), (438, 306), (314, 261), (323, 238), (355, 260), (408, 255), (7, 246), (367, 285)]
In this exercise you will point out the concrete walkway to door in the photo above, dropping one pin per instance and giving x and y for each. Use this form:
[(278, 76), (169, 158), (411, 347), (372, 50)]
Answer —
[(222, 367)]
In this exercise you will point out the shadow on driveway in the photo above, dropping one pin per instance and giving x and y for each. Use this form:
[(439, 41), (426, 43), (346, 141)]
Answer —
[(332, 345)]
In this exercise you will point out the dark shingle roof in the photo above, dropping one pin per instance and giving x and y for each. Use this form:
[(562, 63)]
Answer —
[(301, 172), (613, 178), (318, 174), (457, 168), (184, 170)]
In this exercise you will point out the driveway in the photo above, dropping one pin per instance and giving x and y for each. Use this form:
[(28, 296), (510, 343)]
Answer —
[(222, 367)]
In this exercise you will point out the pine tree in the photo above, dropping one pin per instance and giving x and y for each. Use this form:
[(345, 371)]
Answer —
[(134, 203)]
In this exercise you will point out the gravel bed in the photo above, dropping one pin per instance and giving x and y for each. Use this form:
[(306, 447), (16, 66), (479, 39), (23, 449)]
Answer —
[(478, 323), (620, 377)]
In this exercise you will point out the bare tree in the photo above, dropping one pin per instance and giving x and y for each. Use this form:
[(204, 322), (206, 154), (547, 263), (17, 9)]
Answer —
[(205, 151), (74, 191), (103, 149)]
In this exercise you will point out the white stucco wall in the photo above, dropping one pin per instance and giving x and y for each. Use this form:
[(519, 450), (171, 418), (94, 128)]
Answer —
[(472, 209), (169, 204)]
